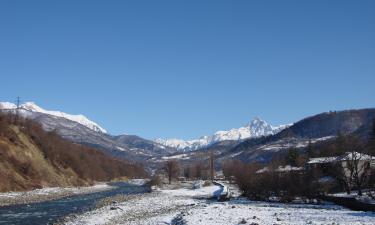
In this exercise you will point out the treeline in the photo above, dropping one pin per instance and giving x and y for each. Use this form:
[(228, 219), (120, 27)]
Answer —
[(86, 163), (291, 176), (202, 169), (264, 185)]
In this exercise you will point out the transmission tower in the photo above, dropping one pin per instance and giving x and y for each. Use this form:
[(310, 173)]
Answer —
[(18, 101)]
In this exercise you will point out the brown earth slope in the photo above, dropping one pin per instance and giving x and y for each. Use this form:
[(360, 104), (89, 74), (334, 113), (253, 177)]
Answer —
[(32, 158)]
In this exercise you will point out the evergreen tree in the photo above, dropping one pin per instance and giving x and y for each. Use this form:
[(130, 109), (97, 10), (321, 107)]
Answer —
[(291, 158), (310, 150), (340, 144), (372, 139)]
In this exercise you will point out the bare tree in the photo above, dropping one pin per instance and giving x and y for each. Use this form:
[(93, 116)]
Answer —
[(358, 166), (172, 169), (345, 178), (353, 168)]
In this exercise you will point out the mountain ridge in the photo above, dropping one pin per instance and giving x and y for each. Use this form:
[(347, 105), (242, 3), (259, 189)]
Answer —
[(255, 128), (130, 147), (31, 106)]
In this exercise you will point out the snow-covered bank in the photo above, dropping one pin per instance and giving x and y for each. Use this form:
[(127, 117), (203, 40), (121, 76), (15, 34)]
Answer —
[(152, 208), (243, 211), (138, 182), (188, 206), (48, 193)]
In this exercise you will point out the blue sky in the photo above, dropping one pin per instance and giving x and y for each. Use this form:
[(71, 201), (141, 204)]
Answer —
[(188, 68)]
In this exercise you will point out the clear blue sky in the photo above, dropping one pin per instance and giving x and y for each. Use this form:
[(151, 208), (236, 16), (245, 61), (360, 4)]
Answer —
[(188, 68)]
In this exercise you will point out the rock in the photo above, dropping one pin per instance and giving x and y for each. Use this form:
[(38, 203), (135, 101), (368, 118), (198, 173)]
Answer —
[(233, 206), (243, 221)]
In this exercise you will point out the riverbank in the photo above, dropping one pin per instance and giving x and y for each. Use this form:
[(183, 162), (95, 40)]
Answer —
[(145, 208), (182, 205), (48, 193)]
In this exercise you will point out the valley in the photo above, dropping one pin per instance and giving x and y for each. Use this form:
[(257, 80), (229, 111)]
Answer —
[(187, 112), (67, 169)]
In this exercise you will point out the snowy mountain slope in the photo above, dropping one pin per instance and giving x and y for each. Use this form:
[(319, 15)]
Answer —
[(315, 129), (31, 106), (256, 128)]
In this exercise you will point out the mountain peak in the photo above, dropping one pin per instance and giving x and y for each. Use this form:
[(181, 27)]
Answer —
[(255, 128), (256, 121), (33, 107)]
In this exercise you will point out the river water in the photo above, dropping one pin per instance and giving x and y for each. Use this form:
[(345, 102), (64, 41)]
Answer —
[(50, 211)]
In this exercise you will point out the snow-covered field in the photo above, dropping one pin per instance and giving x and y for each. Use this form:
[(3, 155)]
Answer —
[(243, 211), (187, 206), (48, 193)]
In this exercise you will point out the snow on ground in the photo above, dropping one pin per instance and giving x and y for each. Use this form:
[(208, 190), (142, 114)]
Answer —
[(186, 206), (248, 212), (139, 182), (48, 193), (158, 207), (179, 156), (204, 192)]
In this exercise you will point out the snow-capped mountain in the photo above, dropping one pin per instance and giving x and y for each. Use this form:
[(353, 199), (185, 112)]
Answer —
[(79, 129), (31, 106), (256, 128)]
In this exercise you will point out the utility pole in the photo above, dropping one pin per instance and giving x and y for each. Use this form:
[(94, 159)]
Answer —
[(18, 106), (212, 166)]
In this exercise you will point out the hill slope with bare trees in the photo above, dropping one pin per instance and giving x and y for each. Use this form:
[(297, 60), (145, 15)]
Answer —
[(31, 158)]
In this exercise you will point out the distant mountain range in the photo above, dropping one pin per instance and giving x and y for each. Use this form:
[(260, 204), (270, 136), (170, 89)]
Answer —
[(319, 128), (256, 141), (256, 128), (79, 129)]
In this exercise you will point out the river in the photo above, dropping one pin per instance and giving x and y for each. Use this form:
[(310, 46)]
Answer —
[(50, 211)]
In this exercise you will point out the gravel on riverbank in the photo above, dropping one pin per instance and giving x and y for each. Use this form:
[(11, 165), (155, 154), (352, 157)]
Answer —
[(144, 208), (183, 206), (49, 193)]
